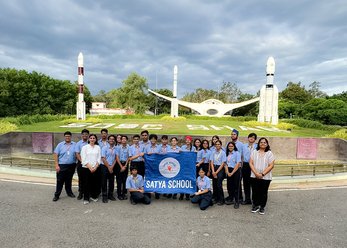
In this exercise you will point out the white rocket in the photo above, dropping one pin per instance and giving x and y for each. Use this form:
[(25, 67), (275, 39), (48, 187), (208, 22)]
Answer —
[(268, 103), (174, 102), (81, 105)]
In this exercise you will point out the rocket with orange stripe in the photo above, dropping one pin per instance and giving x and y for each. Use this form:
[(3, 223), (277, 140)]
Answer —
[(81, 105)]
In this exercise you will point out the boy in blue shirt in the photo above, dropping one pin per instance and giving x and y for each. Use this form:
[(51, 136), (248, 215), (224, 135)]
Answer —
[(135, 185), (65, 164)]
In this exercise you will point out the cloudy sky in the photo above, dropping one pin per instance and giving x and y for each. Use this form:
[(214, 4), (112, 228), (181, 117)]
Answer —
[(210, 41)]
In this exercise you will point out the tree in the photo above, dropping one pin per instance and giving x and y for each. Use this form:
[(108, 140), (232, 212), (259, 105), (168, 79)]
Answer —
[(296, 93), (200, 95), (132, 95), (314, 90), (229, 92), (342, 96), (248, 110), (163, 106)]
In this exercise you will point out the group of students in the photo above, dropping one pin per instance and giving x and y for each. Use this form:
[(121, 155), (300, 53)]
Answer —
[(99, 162)]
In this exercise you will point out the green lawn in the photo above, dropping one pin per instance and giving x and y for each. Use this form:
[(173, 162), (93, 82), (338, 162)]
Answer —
[(171, 127)]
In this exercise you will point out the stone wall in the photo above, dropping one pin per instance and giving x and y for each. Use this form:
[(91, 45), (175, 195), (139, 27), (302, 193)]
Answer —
[(19, 144)]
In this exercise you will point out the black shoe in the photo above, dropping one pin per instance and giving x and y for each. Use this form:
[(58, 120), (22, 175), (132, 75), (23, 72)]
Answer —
[(187, 198), (125, 197), (169, 196), (255, 209), (181, 197), (72, 195), (80, 196), (157, 196), (132, 201), (174, 196), (236, 205), (120, 198), (104, 200), (247, 202), (220, 203), (214, 201), (211, 203), (55, 198), (261, 211), (111, 197), (229, 202)]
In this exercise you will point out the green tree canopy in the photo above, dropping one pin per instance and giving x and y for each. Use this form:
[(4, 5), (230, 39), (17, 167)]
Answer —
[(296, 93)]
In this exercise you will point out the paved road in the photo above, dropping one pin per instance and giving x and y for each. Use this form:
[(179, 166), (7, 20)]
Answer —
[(305, 218)]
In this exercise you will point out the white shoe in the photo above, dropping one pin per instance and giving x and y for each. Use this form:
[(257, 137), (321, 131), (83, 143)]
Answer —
[(94, 199), (85, 202)]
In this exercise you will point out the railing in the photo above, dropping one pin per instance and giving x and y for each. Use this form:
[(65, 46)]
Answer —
[(279, 170)]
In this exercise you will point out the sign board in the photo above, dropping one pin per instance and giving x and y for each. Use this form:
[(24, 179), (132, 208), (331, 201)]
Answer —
[(306, 148), (42, 143)]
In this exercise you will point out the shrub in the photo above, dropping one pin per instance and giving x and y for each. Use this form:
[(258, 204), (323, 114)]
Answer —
[(342, 134), (6, 127), (286, 126), (312, 124), (169, 118), (30, 119), (256, 123)]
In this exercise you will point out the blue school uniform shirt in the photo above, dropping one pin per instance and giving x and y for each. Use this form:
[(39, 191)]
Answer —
[(203, 154), (148, 143), (66, 152), (102, 144), (123, 153), (203, 183), (218, 158), (184, 148), (109, 153), (79, 145), (171, 149), (247, 151), (134, 182), (135, 150), (239, 146), (151, 149), (162, 149), (233, 158)]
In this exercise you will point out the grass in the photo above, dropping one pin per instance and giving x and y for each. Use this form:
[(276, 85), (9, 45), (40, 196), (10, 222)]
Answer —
[(172, 127)]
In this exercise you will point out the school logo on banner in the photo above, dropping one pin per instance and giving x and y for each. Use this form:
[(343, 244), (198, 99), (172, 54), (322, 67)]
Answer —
[(169, 167), (170, 173)]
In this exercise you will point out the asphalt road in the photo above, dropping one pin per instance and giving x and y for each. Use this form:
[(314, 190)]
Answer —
[(305, 218)]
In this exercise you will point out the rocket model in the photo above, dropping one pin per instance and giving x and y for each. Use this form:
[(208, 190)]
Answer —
[(268, 103), (81, 105), (174, 102)]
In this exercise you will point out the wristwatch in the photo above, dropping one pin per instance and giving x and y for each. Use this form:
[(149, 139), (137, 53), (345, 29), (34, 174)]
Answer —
[(263, 174)]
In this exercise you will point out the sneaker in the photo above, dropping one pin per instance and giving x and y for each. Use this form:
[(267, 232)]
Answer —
[(85, 202), (94, 199), (80, 196), (255, 209), (262, 211)]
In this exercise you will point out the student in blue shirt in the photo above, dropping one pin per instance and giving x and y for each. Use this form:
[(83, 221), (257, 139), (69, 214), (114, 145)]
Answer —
[(173, 145), (232, 170), (136, 152), (153, 146), (103, 141), (215, 138), (134, 184), (164, 147), (122, 168), (203, 158), (217, 162), (78, 148), (197, 144), (203, 196), (188, 147), (108, 157), (248, 148), (65, 164), (145, 138)]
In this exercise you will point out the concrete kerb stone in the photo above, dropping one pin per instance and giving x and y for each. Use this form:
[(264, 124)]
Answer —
[(285, 182)]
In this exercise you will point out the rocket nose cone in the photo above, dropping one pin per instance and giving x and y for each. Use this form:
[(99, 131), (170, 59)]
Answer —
[(270, 66), (175, 69), (80, 59)]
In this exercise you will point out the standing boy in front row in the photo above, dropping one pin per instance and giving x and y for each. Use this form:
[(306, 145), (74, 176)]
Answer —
[(135, 186)]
